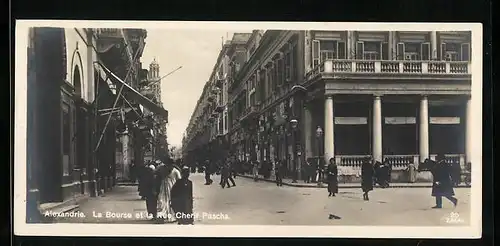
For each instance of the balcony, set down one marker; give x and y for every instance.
(391, 68)
(249, 113)
(109, 33)
(211, 97)
(219, 108)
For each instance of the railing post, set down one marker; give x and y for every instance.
(353, 66)
(469, 68)
(328, 66)
(401, 67)
(378, 67)
(425, 67)
(447, 65)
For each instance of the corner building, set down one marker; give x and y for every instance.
(404, 96)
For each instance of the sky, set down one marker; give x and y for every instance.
(196, 51)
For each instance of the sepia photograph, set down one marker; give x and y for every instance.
(255, 129)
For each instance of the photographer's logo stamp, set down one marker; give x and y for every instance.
(453, 218)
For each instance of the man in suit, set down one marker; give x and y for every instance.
(150, 191)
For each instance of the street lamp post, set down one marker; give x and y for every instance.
(294, 123)
(319, 135)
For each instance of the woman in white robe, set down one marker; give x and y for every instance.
(170, 174)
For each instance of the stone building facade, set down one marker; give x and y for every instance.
(348, 95)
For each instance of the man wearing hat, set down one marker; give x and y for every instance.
(182, 199)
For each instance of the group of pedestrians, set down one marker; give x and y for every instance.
(373, 173)
(226, 169)
(167, 190)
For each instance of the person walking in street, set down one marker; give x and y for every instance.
(333, 183)
(182, 198)
(150, 190)
(169, 174)
(207, 167)
(231, 175)
(366, 178)
(141, 172)
(306, 172)
(255, 170)
(442, 185)
(278, 172)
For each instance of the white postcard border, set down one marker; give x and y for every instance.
(127, 230)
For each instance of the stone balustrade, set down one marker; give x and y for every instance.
(401, 162)
(452, 158)
(391, 67)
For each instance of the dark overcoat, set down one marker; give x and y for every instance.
(442, 184)
(367, 177)
(332, 174)
(182, 198)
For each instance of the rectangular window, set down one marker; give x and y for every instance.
(400, 51)
(316, 53)
(66, 139)
(425, 51)
(294, 62)
(225, 121)
(341, 50)
(384, 49)
(465, 52)
(360, 49)
(450, 52)
(288, 64)
(252, 99)
(328, 50)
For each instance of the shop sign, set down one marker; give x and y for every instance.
(444, 120)
(351, 120)
(400, 120)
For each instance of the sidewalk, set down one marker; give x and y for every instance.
(120, 205)
(300, 183)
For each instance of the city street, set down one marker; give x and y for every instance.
(263, 203)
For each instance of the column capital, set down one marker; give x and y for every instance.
(328, 96)
(377, 96)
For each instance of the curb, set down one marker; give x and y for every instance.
(69, 205)
(346, 186)
(127, 184)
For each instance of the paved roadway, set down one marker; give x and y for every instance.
(263, 203)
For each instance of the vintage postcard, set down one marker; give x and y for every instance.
(248, 129)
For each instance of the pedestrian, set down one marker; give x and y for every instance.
(149, 190)
(455, 172)
(168, 175)
(367, 178)
(182, 199)
(231, 175)
(333, 183)
(387, 172)
(306, 172)
(442, 185)
(278, 172)
(208, 180)
(141, 172)
(255, 170)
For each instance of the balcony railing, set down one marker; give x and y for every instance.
(350, 165)
(401, 162)
(452, 158)
(249, 112)
(392, 67)
(109, 33)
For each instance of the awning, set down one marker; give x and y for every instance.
(139, 98)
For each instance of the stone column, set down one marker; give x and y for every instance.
(434, 45)
(308, 145)
(329, 132)
(468, 131)
(424, 129)
(377, 129)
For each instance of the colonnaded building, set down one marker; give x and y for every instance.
(303, 96)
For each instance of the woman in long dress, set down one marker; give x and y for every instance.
(170, 175)
(333, 184)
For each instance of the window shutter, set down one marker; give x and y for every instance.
(425, 51)
(465, 52)
(401, 51)
(315, 53)
(341, 50)
(384, 50)
(360, 50)
(443, 51)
